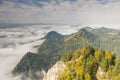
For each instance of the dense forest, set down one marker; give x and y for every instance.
(88, 64)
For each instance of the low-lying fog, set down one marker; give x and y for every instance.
(16, 42)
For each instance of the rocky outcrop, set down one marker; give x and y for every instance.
(100, 74)
(54, 72)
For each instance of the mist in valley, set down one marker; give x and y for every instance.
(16, 42)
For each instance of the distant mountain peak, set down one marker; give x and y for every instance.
(53, 35)
(88, 28)
(106, 29)
(28, 54)
(81, 38)
(103, 28)
(83, 32)
(52, 32)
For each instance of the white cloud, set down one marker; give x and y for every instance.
(86, 12)
(11, 55)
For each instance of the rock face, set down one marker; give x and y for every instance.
(54, 72)
(100, 74)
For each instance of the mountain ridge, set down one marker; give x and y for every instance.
(53, 35)
(52, 50)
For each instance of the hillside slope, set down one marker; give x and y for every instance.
(54, 49)
(56, 45)
(109, 39)
(87, 64)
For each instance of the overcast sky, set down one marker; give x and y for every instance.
(85, 12)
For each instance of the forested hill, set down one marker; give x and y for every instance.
(90, 64)
(109, 38)
(53, 35)
(53, 49)
(56, 45)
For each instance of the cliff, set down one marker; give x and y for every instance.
(54, 72)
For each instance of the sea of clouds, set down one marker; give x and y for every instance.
(16, 42)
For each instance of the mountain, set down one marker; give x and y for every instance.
(54, 47)
(53, 36)
(30, 66)
(109, 39)
(57, 45)
(103, 31)
(29, 62)
(88, 28)
(80, 39)
(85, 64)
(51, 48)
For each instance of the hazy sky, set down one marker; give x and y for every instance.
(85, 12)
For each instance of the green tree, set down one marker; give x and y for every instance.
(116, 69)
(105, 64)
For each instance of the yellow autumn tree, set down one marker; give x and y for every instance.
(97, 53)
(108, 55)
(79, 70)
(87, 76)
